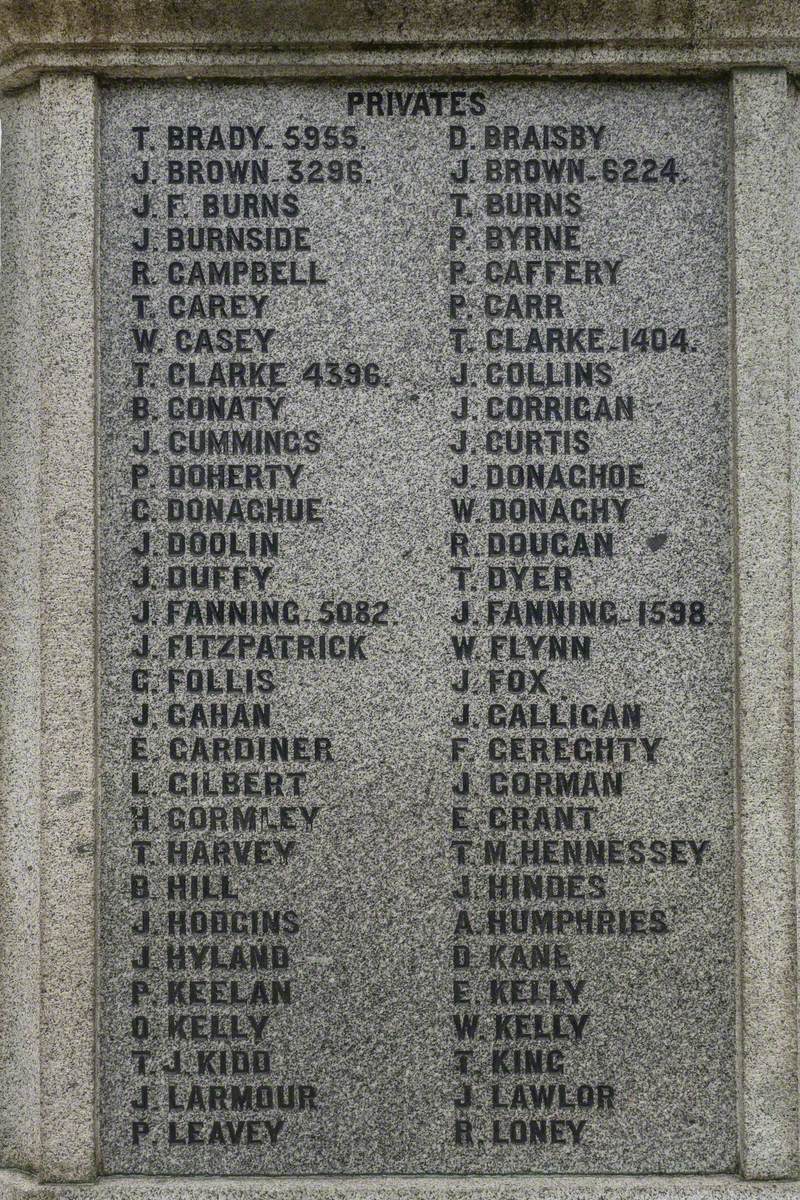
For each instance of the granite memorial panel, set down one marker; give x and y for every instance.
(415, 628)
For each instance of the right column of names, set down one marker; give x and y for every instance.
(573, 599)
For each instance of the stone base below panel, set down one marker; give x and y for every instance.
(510, 1187)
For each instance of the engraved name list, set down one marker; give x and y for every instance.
(415, 626)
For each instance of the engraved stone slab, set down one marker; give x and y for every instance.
(415, 601)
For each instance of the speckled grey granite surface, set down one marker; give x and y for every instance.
(20, 501)
(509, 1188)
(370, 1023)
(767, 847)
(238, 39)
(13, 1187)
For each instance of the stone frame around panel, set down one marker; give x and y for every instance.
(48, 782)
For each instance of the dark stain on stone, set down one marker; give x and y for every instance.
(68, 798)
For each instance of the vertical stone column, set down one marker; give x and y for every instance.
(767, 875)
(19, 631)
(48, 580)
(67, 238)
(794, 418)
